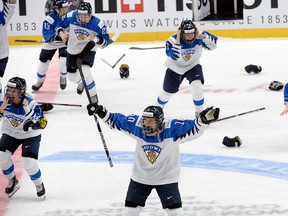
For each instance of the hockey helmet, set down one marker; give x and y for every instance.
(124, 71)
(61, 7)
(155, 112)
(187, 27)
(84, 13)
(17, 83)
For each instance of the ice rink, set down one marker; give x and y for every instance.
(215, 180)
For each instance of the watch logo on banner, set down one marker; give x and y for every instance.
(132, 6)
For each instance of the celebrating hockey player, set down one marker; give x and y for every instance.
(183, 51)
(157, 159)
(6, 12)
(50, 23)
(83, 27)
(22, 121)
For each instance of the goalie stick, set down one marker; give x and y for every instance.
(89, 46)
(240, 114)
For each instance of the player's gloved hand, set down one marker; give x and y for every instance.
(232, 142)
(276, 86)
(94, 108)
(41, 124)
(209, 115)
(253, 68)
(175, 51)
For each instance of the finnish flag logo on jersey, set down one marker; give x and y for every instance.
(152, 152)
(187, 55)
(81, 34)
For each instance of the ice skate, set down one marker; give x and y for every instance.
(80, 88)
(37, 85)
(41, 191)
(63, 82)
(12, 187)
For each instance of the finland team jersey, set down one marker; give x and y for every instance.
(156, 158)
(79, 35)
(49, 27)
(189, 54)
(6, 12)
(14, 118)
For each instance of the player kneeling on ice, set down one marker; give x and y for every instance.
(157, 158)
(22, 119)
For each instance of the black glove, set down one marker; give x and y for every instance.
(276, 86)
(209, 115)
(232, 142)
(253, 68)
(41, 124)
(94, 108)
(46, 107)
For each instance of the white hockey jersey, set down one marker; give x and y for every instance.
(156, 158)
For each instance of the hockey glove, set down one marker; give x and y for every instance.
(94, 108)
(276, 86)
(175, 52)
(46, 107)
(253, 68)
(232, 142)
(209, 115)
(41, 124)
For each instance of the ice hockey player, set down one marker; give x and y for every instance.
(83, 27)
(157, 158)
(285, 111)
(6, 12)
(183, 51)
(22, 122)
(52, 44)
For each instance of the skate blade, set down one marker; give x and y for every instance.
(16, 188)
(43, 197)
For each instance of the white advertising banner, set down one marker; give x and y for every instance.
(153, 15)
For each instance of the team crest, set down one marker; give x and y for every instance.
(15, 122)
(81, 34)
(152, 152)
(187, 55)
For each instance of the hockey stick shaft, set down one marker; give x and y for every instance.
(37, 41)
(61, 104)
(240, 114)
(113, 66)
(146, 48)
(79, 61)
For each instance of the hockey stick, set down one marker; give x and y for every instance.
(146, 48)
(37, 41)
(89, 46)
(113, 66)
(61, 104)
(240, 114)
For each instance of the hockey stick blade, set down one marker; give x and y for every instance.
(113, 66)
(146, 48)
(240, 114)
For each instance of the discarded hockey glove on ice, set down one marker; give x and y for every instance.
(276, 86)
(46, 107)
(94, 108)
(209, 115)
(232, 142)
(253, 68)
